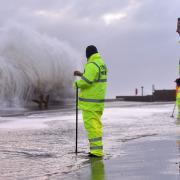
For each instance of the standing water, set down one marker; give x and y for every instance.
(41, 145)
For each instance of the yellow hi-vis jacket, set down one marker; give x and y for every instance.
(93, 84)
(178, 97)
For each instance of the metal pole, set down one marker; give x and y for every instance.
(153, 89)
(173, 110)
(76, 151)
(142, 90)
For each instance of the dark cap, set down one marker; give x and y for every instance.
(90, 50)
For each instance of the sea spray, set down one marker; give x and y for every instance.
(32, 64)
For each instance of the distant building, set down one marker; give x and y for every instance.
(158, 95)
(164, 95)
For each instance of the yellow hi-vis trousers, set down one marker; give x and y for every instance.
(93, 126)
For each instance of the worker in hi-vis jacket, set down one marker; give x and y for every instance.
(178, 96)
(92, 85)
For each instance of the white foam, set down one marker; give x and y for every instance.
(33, 63)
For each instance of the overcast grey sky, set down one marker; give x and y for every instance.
(137, 38)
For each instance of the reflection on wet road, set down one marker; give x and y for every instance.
(97, 169)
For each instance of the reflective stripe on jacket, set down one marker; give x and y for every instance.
(93, 84)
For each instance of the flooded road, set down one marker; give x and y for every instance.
(40, 145)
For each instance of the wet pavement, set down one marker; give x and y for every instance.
(141, 141)
(148, 159)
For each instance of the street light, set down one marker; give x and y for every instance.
(142, 90)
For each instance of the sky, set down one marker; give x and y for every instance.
(136, 38)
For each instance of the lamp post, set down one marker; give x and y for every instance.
(153, 89)
(142, 89)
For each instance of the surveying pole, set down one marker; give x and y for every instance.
(76, 149)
